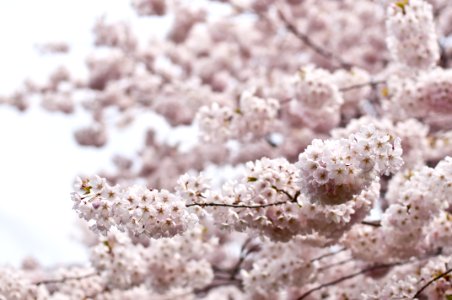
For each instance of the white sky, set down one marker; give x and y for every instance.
(38, 156)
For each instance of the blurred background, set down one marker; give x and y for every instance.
(39, 157)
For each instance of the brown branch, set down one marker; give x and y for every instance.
(366, 270)
(419, 292)
(238, 205)
(243, 255)
(342, 262)
(372, 83)
(437, 12)
(372, 223)
(307, 40)
(443, 59)
(374, 103)
(205, 290)
(292, 199)
(64, 279)
(328, 254)
(350, 276)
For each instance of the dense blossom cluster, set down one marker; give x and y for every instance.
(412, 38)
(334, 171)
(417, 200)
(274, 197)
(15, 285)
(427, 97)
(137, 209)
(319, 167)
(165, 265)
(252, 119)
(318, 99)
(279, 265)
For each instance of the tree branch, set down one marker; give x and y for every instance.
(372, 83)
(238, 205)
(369, 269)
(419, 292)
(64, 279)
(328, 254)
(372, 223)
(292, 199)
(342, 262)
(308, 42)
(350, 276)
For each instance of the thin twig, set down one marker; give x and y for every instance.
(238, 205)
(372, 223)
(419, 292)
(328, 254)
(366, 270)
(372, 83)
(342, 262)
(64, 279)
(350, 276)
(307, 40)
(292, 199)
(443, 59)
(374, 103)
(243, 255)
(205, 290)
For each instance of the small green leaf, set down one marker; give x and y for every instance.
(87, 189)
(402, 4)
(252, 179)
(449, 297)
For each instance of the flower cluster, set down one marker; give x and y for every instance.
(416, 199)
(412, 39)
(14, 285)
(121, 265)
(182, 261)
(141, 211)
(302, 190)
(412, 133)
(116, 35)
(252, 119)
(426, 96)
(318, 100)
(353, 97)
(265, 200)
(432, 277)
(326, 223)
(149, 7)
(333, 171)
(274, 197)
(167, 264)
(279, 265)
